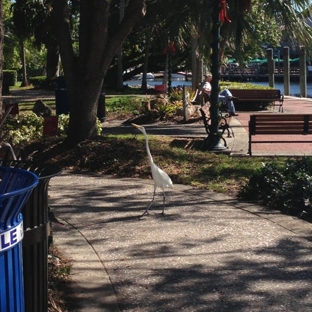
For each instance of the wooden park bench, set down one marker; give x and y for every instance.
(279, 124)
(262, 96)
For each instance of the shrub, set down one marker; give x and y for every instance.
(176, 95)
(24, 128)
(287, 188)
(41, 82)
(168, 111)
(123, 104)
(27, 127)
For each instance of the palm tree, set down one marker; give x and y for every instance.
(22, 15)
(265, 20)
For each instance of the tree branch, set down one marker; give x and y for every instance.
(61, 23)
(135, 10)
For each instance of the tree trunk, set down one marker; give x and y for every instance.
(145, 66)
(84, 73)
(23, 60)
(119, 56)
(194, 45)
(52, 61)
(83, 105)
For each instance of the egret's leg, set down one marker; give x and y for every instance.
(164, 199)
(150, 205)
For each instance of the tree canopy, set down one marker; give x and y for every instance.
(89, 33)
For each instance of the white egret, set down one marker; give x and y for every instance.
(160, 177)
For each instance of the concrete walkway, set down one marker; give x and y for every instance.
(209, 252)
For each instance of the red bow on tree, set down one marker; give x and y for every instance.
(171, 48)
(223, 13)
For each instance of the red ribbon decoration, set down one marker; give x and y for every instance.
(171, 47)
(223, 13)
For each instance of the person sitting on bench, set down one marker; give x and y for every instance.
(226, 96)
(206, 87)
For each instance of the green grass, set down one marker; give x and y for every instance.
(125, 156)
(126, 104)
(26, 107)
(123, 104)
(202, 169)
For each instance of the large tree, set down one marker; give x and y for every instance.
(99, 40)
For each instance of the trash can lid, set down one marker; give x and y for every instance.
(43, 171)
(15, 181)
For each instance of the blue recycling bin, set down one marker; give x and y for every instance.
(16, 186)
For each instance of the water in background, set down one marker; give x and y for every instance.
(294, 86)
(153, 82)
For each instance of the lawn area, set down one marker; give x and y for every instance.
(124, 155)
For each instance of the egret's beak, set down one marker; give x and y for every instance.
(136, 126)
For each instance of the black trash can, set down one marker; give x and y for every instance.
(36, 236)
(15, 188)
(61, 96)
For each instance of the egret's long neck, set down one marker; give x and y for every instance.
(148, 150)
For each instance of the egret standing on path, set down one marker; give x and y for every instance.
(160, 177)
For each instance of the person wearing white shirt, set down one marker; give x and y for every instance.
(206, 87)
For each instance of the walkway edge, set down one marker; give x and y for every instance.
(92, 287)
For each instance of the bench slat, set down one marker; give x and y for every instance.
(290, 131)
(265, 94)
(277, 116)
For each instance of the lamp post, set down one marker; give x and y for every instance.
(213, 141)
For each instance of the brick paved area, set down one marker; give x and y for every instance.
(291, 105)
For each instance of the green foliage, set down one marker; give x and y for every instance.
(241, 85)
(257, 27)
(41, 82)
(27, 127)
(36, 59)
(63, 121)
(24, 128)
(176, 95)
(123, 103)
(286, 187)
(168, 111)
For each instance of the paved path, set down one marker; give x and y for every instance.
(208, 253)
